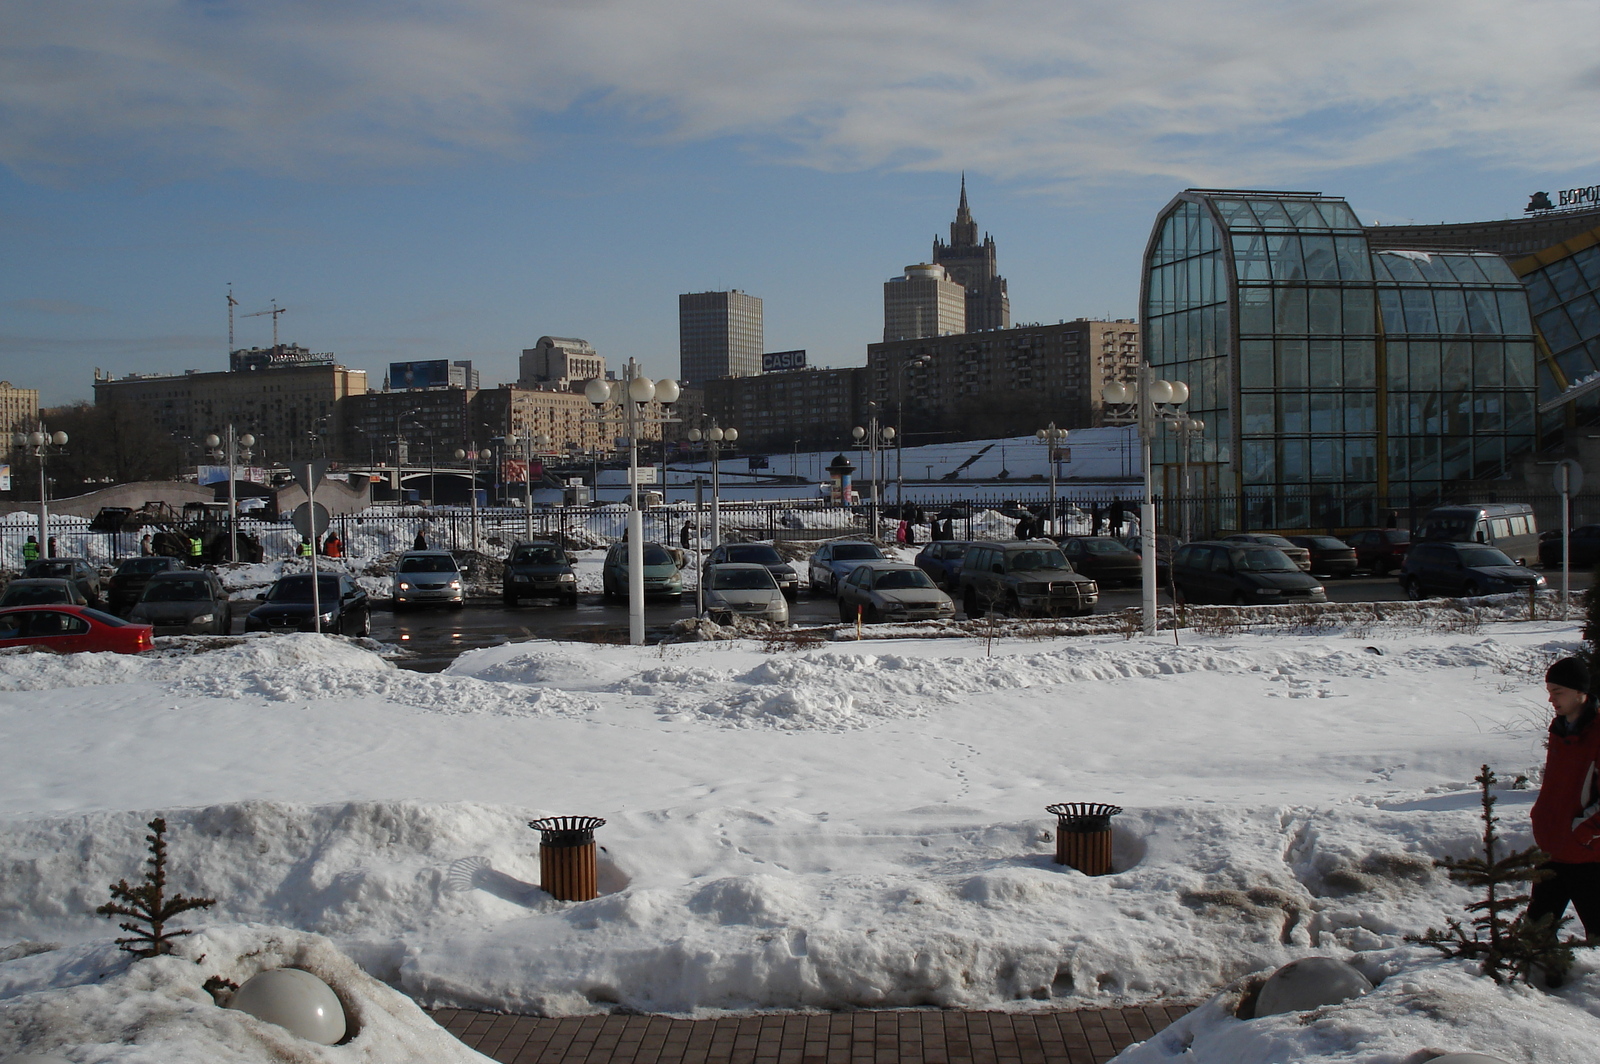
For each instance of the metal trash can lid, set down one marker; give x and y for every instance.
(1084, 816)
(566, 830)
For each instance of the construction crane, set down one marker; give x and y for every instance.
(275, 311)
(232, 302)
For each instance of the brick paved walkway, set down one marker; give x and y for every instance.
(909, 1036)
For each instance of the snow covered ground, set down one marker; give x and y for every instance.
(817, 825)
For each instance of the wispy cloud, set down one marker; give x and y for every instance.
(1202, 91)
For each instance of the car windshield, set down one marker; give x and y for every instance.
(1450, 528)
(901, 580)
(35, 595)
(1484, 557)
(760, 555)
(1268, 539)
(1104, 546)
(741, 580)
(1036, 559)
(538, 556)
(1325, 543)
(144, 566)
(1396, 535)
(655, 556)
(298, 589)
(103, 618)
(177, 591)
(1267, 560)
(50, 569)
(856, 552)
(437, 563)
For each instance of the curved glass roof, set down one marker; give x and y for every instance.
(1287, 214)
(1423, 267)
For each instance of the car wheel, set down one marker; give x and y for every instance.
(459, 604)
(1412, 589)
(569, 601)
(366, 624)
(1012, 606)
(1470, 591)
(1239, 599)
(871, 615)
(969, 603)
(846, 614)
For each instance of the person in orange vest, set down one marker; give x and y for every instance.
(333, 546)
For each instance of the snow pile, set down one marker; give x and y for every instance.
(93, 999)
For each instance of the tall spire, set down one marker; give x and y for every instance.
(963, 231)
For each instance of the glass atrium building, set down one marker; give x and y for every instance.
(1336, 381)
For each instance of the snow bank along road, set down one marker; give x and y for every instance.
(827, 826)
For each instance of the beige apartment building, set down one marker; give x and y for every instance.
(19, 409)
(923, 302)
(283, 407)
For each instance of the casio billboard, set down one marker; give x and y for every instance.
(778, 361)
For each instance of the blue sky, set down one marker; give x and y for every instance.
(456, 179)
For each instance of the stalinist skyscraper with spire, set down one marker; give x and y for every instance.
(973, 265)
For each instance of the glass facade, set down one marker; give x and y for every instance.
(1332, 378)
(1564, 289)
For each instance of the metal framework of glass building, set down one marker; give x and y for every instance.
(1336, 381)
(1563, 283)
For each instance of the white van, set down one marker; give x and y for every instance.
(1510, 526)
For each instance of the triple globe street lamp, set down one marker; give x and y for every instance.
(715, 437)
(531, 445)
(42, 445)
(1052, 438)
(876, 439)
(227, 447)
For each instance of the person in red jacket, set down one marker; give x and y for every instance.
(1566, 816)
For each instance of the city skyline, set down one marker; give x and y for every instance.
(470, 207)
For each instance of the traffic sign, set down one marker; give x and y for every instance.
(1569, 476)
(316, 470)
(311, 520)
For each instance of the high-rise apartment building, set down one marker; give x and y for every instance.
(559, 362)
(971, 264)
(19, 409)
(720, 334)
(923, 302)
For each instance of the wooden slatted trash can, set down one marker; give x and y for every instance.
(568, 870)
(1083, 835)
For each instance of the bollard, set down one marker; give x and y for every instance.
(1083, 835)
(567, 867)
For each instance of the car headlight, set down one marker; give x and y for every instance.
(327, 618)
(1319, 590)
(404, 586)
(455, 585)
(894, 606)
(567, 578)
(1538, 581)
(204, 618)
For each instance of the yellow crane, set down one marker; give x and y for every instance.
(275, 311)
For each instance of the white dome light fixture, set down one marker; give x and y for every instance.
(296, 1000)
(1310, 983)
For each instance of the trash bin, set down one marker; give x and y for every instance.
(1083, 835)
(567, 866)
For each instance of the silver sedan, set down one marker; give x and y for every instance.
(892, 591)
(744, 589)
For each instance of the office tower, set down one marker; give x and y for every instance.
(924, 302)
(972, 265)
(719, 335)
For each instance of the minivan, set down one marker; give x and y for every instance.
(1509, 526)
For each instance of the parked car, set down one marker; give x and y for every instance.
(941, 560)
(188, 602)
(1585, 550)
(1241, 573)
(539, 568)
(1166, 546)
(743, 589)
(71, 630)
(1463, 570)
(1024, 578)
(662, 575)
(1330, 555)
(286, 606)
(77, 569)
(428, 577)
(127, 583)
(758, 554)
(43, 591)
(1380, 550)
(1298, 554)
(833, 562)
(892, 591)
(1105, 559)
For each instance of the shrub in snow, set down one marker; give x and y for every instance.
(296, 1000)
(149, 904)
(1310, 983)
(1508, 944)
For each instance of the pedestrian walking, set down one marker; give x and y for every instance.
(197, 550)
(50, 547)
(333, 546)
(421, 542)
(1114, 517)
(304, 550)
(1096, 516)
(683, 536)
(147, 546)
(900, 533)
(1566, 815)
(30, 550)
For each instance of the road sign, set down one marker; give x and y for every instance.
(311, 520)
(1568, 476)
(316, 469)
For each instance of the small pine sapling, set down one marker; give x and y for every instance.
(1509, 945)
(148, 903)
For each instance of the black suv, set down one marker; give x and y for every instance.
(539, 568)
(1245, 574)
(1462, 569)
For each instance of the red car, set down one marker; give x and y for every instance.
(71, 629)
(1382, 550)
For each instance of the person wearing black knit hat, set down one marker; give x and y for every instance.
(1566, 816)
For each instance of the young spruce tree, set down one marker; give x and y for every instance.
(148, 903)
(1508, 944)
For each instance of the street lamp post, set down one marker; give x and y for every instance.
(531, 445)
(715, 437)
(1051, 437)
(1186, 428)
(39, 444)
(1145, 403)
(472, 455)
(631, 394)
(232, 454)
(875, 438)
